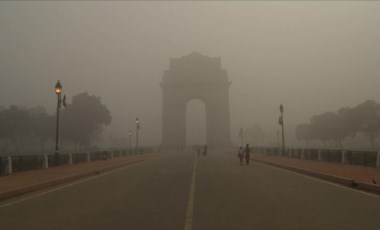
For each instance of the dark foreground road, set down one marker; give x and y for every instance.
(157, 195)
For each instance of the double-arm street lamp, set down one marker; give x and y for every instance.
(58, 91)
(281, 122)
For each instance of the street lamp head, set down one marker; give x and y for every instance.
(281, 108)
(130, 133)
(137, 120)
(58, 88)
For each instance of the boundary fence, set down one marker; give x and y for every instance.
(16, 163)
(351, 157)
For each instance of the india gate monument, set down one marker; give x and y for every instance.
(195, 76)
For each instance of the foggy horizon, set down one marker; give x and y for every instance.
(312, 57)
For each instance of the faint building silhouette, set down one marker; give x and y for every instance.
(195, 76)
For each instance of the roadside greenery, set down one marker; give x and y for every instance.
(81, 124)
(343, 124)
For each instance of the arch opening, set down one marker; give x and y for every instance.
(196, 127)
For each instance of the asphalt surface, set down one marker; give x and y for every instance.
(155, 195)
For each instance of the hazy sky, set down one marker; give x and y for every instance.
(311, 56)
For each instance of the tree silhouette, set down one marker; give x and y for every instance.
(82, 120)
(14, 126)
(366, 119)
(329, 126)
(41, 125)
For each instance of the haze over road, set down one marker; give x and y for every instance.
(311, 56)
(155, 195)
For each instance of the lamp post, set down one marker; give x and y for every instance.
(130, 139)
(58, 91)
(137, 135)
(281, 121)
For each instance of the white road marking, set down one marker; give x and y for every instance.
(320, 180)
(190, 204)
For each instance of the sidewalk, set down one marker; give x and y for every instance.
(20, 183)
(350, 175)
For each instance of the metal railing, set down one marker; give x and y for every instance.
(351, 157)
(16, 163)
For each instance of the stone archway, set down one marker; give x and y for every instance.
(201, 77)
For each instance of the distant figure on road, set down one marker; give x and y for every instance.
(247, 152)
(241, 155)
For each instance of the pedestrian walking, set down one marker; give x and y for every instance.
(241, 155)
(247, 152)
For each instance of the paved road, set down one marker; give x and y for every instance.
(155, 195)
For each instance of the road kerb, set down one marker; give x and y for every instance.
(374, 188)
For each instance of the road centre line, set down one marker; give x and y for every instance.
(190, 205)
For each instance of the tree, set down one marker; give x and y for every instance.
(347, 122)
(41, 125)
(365, 118)
(325, 127)
(322, 126)
(14, 126)
(82, 120)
